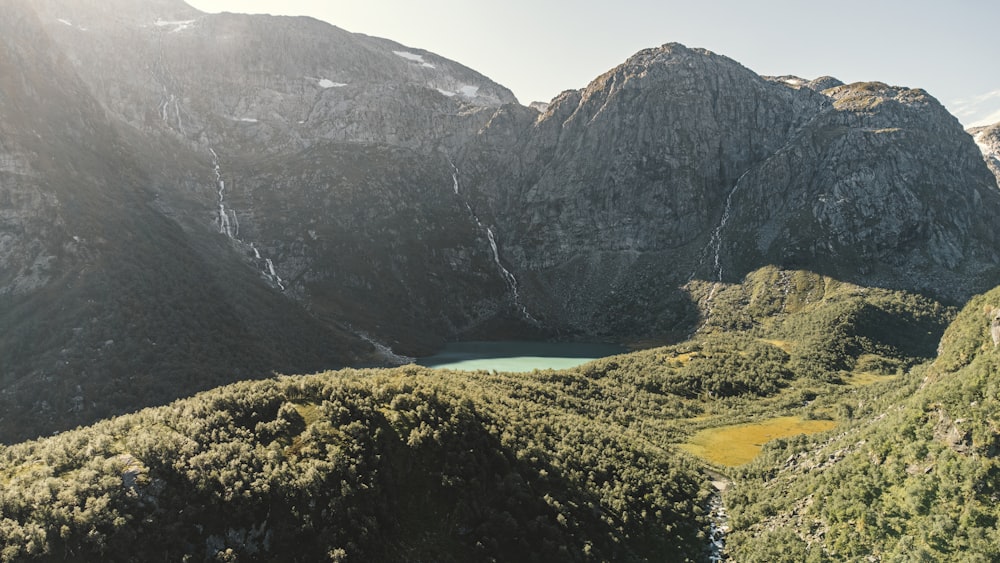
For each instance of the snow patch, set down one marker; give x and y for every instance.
(410, 56)
(984, 147)
(465, 91)
(414, 58)
(177, 25)
(990, 154)
(70, 24)
(326, 83)
(248, 120)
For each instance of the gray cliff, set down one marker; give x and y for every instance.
(190, 199)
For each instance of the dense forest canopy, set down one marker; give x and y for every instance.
(581, 464)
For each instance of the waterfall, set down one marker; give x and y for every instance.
(235, 222)
(715, 247)
(225, 227)
(229, 225)
(511, 280)
(506, 274)
(716, 240)
(273, 274)
(177, 112)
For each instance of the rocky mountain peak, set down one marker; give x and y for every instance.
(823, 83)
(867, 96)
(673, 67)
(262, 83)
(796, 82)
(229, 195)
(685, 165)
(96, 17)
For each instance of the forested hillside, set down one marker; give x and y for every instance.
(912, 476)
(588, 464)
(397, 465)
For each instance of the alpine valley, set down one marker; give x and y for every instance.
(193, 204)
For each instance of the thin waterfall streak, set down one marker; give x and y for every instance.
(506, 274)
(229, 225)
(716, 239)
(236, 223)
(177, 112)
(454, 176)
(496, 258)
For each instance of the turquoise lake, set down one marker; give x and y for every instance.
(517, 356)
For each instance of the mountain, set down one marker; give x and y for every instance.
(109, 303)
(193, 199)
(683, 165)
(333, 148)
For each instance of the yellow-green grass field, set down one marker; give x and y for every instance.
(734, 445)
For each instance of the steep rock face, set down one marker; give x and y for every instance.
(154, 238)
(266, 84)
(107, 304)
(376, 237)
(616, 189)
(882, 188)
(683, 165)
(352, 126)
(223, 196)
(650, 145)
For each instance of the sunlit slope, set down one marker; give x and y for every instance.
(912, 476)
(415, 463)
(408, 464)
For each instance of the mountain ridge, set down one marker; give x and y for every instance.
(801, 246)
(323, 195)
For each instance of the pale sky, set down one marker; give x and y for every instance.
(538, 48)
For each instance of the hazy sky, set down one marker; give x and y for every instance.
(538, 48)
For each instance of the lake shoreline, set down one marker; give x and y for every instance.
(518, 356)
